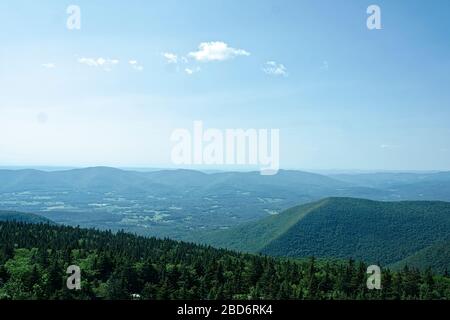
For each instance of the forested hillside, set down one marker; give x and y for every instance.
(34, 258)
(436, 257)
(22, 217)
(372, 231)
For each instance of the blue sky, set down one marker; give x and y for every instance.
(343, 96)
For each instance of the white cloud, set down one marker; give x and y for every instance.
(170, 57)
(191, 71)
(49, 65)
(216, 51)
(275, 69)
(105, 64)
(88, 61)
(135, 65)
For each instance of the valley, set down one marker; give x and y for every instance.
(292, 214)
(176, 203)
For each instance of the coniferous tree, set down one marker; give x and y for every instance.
(34, 259)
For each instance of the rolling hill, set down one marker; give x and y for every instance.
(372, 231)
(164, 203)
(178, 203)
(22, 217)
(404, 185)
(436, 257)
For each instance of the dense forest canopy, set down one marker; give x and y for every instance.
(34, 259)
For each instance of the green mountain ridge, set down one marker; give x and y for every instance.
(23, 217)
(372, 231)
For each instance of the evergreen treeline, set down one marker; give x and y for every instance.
(34, 259)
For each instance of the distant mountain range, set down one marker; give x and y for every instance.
(391, 233)
(178, 203)
(405, 186)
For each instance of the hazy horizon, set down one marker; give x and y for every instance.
(207, 169)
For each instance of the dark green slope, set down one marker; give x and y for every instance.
(121, 266)
(22, 217)
(436, 257)
(383, 232)
(253, 237)
(376, 232)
